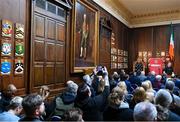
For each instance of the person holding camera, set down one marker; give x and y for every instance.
(93, 107)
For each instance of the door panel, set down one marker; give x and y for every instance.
(48, 47)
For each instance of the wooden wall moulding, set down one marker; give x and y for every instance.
(85, 31)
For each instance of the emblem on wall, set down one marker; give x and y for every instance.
(6, 28)
(5, 66)
(6, 49)
(19, 66)
(19, 49)
(19, 31)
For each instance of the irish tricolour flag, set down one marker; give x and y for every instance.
(171, 46)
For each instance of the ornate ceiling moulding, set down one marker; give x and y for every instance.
(156, 14)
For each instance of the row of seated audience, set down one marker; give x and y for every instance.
(120, 97)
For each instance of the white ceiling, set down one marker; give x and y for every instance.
(139, 7)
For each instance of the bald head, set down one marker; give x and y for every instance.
(11, 88)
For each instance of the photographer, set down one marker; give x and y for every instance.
(93, 107)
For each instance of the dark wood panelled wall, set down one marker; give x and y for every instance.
(48, 43)
(154, 39)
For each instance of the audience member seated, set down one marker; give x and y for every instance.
(157, 83)
(128, 84)
(65, 100)
(6, 97)
(151, 76)
(134, 79)
(149, 93)
(177, 82)
(122, 75)
(117, 109)
(175, 105)
(114, 81)
(145, 111)
(14, 109)
(74, 114)
(139, 95)
(33, 107)
(92, 107)
(163, 100)
(142, 76)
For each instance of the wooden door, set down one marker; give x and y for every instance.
(47, 45)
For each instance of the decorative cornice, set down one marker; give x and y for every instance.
(142, 20)
(157, 14)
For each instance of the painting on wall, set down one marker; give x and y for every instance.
(85, 36)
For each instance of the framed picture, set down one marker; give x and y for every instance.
(19, 66)
(85, 36)
(163, 54)
(144, 54)
(120, 65)
(140, 54)
(158, 54)
(149, 54)
(6, 28)
(5, 66)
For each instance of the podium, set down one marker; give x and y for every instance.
(156, 65)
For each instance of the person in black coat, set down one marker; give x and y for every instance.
(93, 107)
(6, 96)
(117, 109)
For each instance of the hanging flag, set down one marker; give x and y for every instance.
(171, 46)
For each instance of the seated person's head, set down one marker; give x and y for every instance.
(116, 97)
(87, 80)
(145, 85)
(142, 73)
(11, 90)
(16, 105)
(153, 73)
(163, 98)
(44, 92)
(158, 77)
(139, 94)
(145, 111)
(122, 85)
(116, 76)
(33, 105)
(71, 87)
(83, 91)
(170, 85)
(74, 114)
